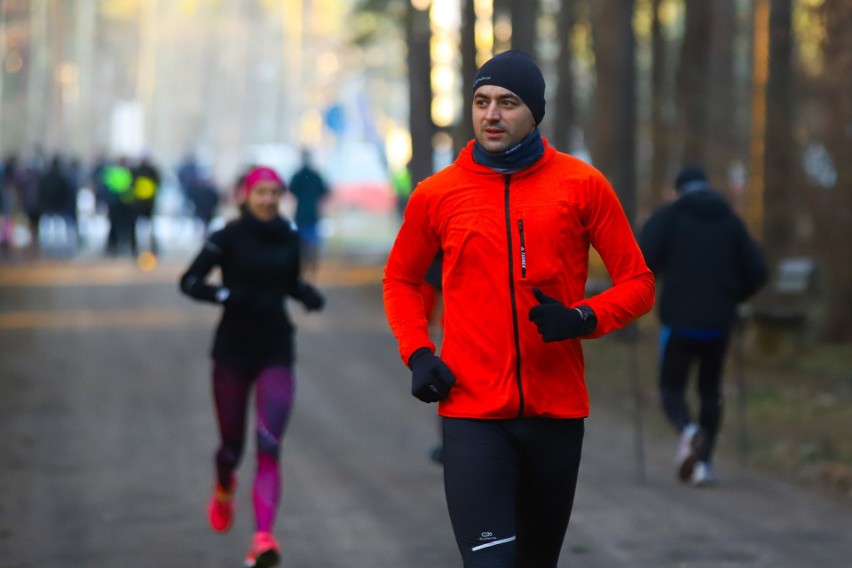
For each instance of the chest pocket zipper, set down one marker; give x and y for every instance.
(523, 248)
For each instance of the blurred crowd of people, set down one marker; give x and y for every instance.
(40, 200)
(40, 190)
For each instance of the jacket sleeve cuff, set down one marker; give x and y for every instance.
(408, 354)
(418, 353)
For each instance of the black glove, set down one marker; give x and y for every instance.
(556, 322)
(310, 297)
(431, 379)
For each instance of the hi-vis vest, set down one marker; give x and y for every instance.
(144, 189)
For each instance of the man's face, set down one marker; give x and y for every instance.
(500, 118)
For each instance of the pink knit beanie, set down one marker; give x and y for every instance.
(258, 175)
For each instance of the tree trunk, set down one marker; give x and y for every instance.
(3, 148)
(835, 228)
(86, 22)
(39, 86)
(615, 142)
(502, 14)
(723, 143)
(565, 115)
(625, 178)
(601, 136)
(462, 130)
(662, 116)
(524, 16)
(781, 228)
(693, 82)
(422, 128)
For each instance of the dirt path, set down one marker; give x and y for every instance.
(106, 434)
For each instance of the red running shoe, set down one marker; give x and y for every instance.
(264, 552)
(220, 509)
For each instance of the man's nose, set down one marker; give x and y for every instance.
(493, 111)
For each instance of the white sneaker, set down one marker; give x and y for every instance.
(702, 475)
(687, 451)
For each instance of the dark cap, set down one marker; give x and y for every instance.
(690, 176)
(516, 71)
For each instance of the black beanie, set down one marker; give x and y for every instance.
(516, 71)
(689, 175)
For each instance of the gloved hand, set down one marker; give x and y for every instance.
(556, 322)
(310, 297)
(431, 379)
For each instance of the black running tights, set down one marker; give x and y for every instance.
(679, 355)
(510, 488)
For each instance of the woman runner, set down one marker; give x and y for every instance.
(258, 255)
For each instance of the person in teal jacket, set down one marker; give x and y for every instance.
(310, 189)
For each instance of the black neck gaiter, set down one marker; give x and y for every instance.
(515, 159)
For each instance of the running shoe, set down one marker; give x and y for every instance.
(687, 451)
(702, 475)
(264, 552)
(220, 509)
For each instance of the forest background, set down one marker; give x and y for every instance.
(759, 92)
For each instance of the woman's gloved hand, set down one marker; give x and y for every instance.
(310, 297)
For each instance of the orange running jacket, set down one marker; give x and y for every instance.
(501, 236)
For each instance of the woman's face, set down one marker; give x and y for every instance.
(263, 200)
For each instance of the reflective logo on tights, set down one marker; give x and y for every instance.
(490, 540)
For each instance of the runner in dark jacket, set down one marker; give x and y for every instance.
(258, 255)
(708, 264)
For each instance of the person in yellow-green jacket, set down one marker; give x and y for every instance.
(117, 179)
(146, 184)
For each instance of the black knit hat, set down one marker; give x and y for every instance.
(689, 175)
(516, 71)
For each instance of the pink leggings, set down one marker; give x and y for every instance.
(273, 399)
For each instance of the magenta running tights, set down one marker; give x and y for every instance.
(232, 385)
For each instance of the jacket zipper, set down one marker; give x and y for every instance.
(523, 249)
(512, 297)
